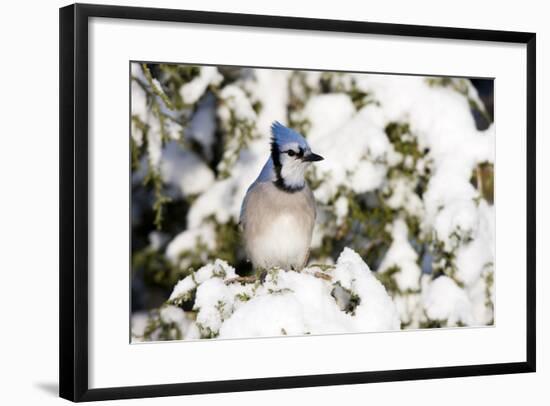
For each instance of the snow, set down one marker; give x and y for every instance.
(481, 312)
(173, 314)
(402, 195)
(327, 113)
(358, 159)
(444, 300)
(218, 201)
(157, 239)
(346, 146)
(223, 199)
(288, 302)
(154, 144)
(236, 104)
(139, 107)
(404, 257)
(173, 129)
(193, 90)
(455, 147)
(410, 308)
(158, 86)
(441, 121)
(341, 207)
(184, 169)
(268, 315)
(366, 177)
(138, 325)
(203, 124)
(188, 240)
(473, 258)
(270, 88)
(139, 110)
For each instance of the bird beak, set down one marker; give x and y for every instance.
(312, 158)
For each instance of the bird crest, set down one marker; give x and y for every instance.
(282, 135)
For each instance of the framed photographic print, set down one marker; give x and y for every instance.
(255, 202)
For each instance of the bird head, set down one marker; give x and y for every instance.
(291, 156)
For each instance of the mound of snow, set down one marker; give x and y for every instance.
(343, 298)
(445, 300)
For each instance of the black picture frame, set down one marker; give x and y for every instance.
(73, 277)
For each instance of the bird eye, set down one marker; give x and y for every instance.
(291, 152)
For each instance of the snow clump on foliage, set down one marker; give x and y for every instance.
(317, 300)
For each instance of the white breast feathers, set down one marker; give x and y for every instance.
(277, 226)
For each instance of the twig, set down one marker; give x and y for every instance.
(479, 176)
(324, 267)
(242, 279)
(322, 275)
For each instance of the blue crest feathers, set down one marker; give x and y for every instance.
(283, 135)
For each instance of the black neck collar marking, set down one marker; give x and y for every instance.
(279, 181)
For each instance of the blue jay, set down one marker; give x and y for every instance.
(278, 210)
